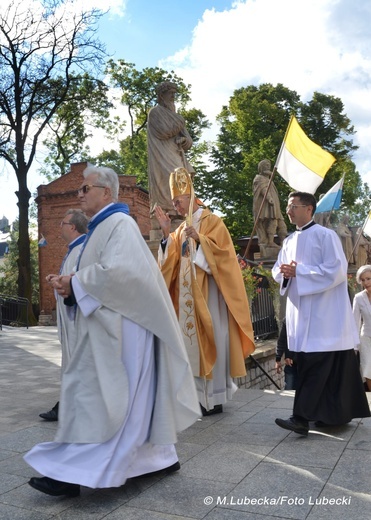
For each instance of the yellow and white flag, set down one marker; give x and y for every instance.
(301, 162)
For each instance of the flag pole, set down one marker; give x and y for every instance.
(267, 190)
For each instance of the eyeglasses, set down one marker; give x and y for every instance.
(87, 187)
(294, 206)
(66, 223)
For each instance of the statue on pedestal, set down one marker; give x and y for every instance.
(269, 219)
(168, 140)
(346, 238)
(362, 248)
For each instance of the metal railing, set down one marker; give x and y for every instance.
(13, 311)
(262, 311)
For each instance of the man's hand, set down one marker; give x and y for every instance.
(50, 278)
(289, 270)
(164, 221)
(62, 284)
(190, 232)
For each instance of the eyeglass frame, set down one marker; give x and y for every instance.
(66, 223)
(87, 187)
(294, 206)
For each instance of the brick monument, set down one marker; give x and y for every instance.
(54, 199)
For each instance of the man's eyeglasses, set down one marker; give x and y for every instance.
(87, 187)
(66, 223)
(294, 206)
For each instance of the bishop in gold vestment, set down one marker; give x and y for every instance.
(201, 270)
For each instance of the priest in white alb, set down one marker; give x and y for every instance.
(128, 388)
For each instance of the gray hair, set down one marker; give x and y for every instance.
(105, 177)
(361, 271)
(79, 220)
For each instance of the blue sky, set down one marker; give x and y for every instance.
(218, 46)
(153, 30)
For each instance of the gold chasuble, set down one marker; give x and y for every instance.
(189, 289)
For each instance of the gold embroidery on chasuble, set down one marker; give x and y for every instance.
(187, 319)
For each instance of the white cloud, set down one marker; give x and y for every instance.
(305, 47)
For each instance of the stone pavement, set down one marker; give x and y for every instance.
(235, 466)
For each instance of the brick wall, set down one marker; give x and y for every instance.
(54, 199)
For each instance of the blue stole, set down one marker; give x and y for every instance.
(79, 240)
(117, 207)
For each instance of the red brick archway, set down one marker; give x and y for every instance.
(54, 199)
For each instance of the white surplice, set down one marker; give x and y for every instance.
(318, 310)
(362, 315)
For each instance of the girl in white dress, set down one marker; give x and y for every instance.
(362, 315)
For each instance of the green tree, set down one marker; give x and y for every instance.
(85, 109)
(252, 128)
(136, 90)
(324, 121)
(9, 269)
(41, 50)
(136, 93)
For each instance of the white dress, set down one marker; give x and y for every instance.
(362, 315)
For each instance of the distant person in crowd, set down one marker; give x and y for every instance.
(128, 388)
(312, 269)
(73, 231)
(201, 270)
(362, 315)
(291, 369)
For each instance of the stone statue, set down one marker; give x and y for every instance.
(324, 218)
(270, 220)
(362, 248)
(168, 140)
(345, 235)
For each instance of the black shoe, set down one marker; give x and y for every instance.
(294, 425)
(162, 472)
(52, 415)
(54, 487)
(218, 408)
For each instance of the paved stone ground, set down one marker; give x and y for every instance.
(235, 466)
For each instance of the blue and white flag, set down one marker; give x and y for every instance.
(42, 242)
(331, 200)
